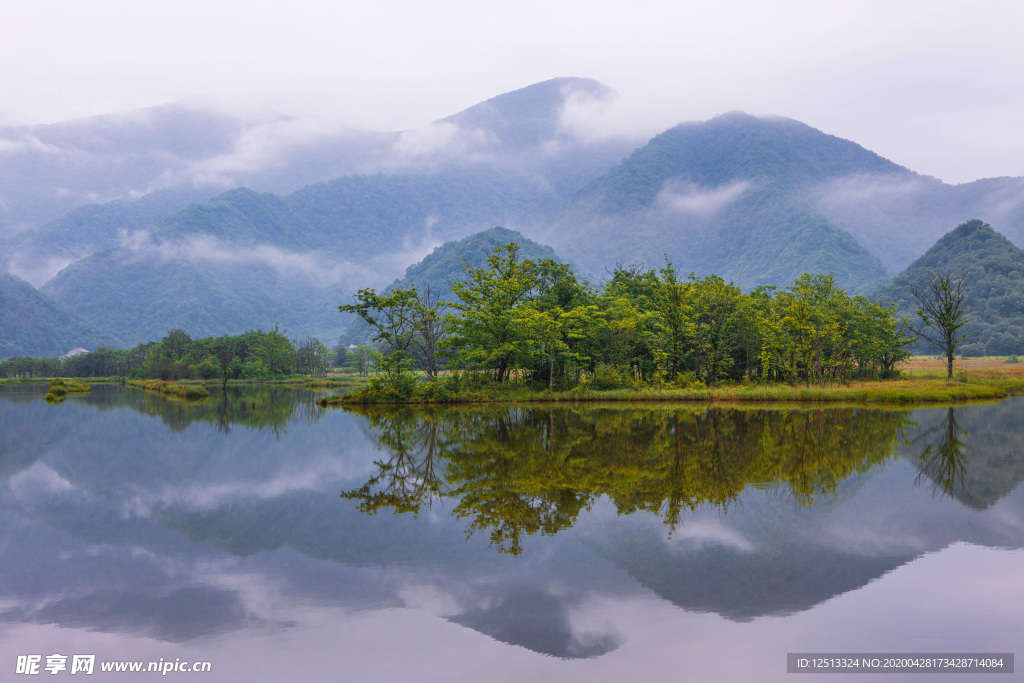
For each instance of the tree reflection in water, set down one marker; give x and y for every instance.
(516, 471)
(943, 460)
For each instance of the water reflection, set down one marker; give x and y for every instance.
(131, 516)
(269, 407)
(514, 472)
(944, 459)
(974, 455)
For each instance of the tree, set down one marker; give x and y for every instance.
(225, 349)
(340, 358)
(360, 359)
(312, 356)
(390, 316)
(675, 316)
(716, 318)
(486, 335)
(941, 301)
(430, 328)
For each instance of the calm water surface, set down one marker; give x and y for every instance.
(280, 541)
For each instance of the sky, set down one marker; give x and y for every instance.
(934, 86)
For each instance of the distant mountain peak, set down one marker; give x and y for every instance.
(528, 116)
(973, 237)
(994, 270)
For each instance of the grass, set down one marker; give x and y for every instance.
(923, 381)
(180, 390)
(61, 387)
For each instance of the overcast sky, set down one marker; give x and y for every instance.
(935, 86)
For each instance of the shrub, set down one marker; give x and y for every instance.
(607, 377)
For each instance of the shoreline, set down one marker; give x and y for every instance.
(909, 391)
(912, 390)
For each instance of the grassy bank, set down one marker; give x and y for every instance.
(921, 384)
(187, 392)
(61, 387)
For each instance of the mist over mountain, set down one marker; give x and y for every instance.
(37, 255)
(994, 305)
(724, 196)
(758, 201)
(247, 259)
(896, 216)
(48, 170)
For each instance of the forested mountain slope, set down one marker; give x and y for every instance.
(37, 255)
(724, 196)
(994, 303)
(245, 260)
(32, 324)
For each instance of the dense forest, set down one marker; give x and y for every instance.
(532, 322)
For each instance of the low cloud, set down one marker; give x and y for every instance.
(440, 142)
(864, 189)
(594, 116)
(311, 265)
(259, 147)
(20, 141)
(316, 267)
(35, 269)
(694, 200)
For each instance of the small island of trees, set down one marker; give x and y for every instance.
(534, 325)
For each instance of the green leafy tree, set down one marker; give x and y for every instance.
(488, 333)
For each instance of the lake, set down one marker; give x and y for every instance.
(278, 540)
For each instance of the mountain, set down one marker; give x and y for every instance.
(724, 196)
(445, 265)
(245, 259)
(37, 255)
(897, 216)
(526, 129)
(528, 117)
(32, 324)
(758, 201)
(994, 303)
(48, 170)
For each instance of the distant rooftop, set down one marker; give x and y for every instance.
(74, 352)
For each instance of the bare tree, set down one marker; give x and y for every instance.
(225, 349)
(941, 301)
(312, 356)
(431, 327)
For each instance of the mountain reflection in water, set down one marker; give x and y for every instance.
(557, 529)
